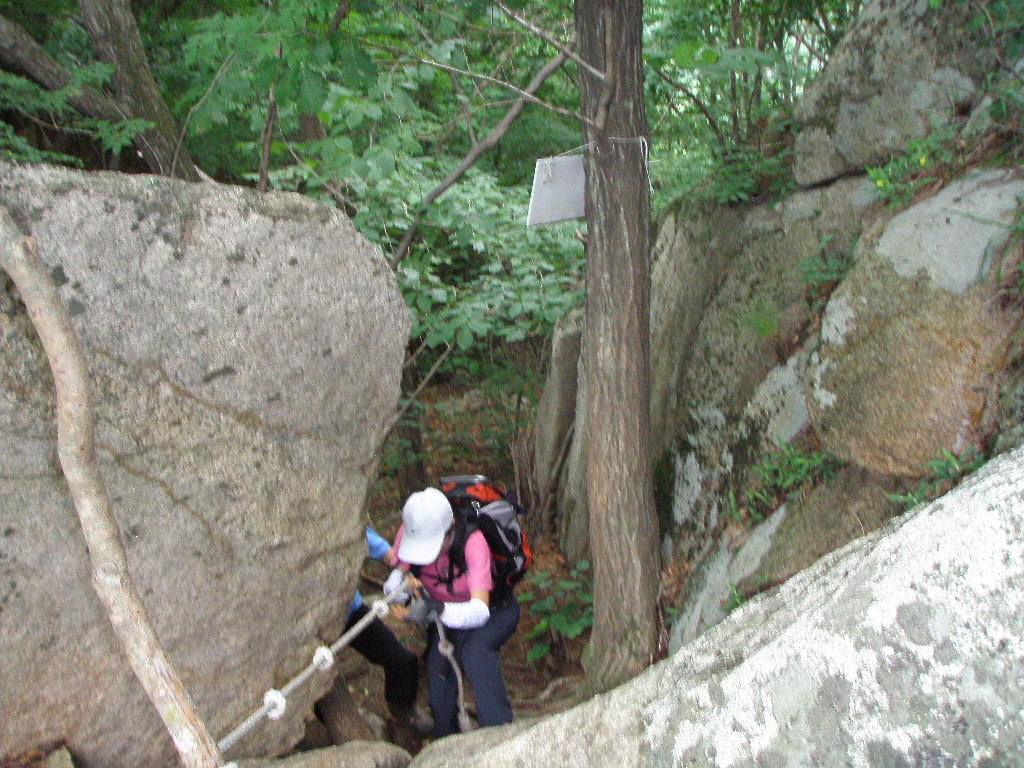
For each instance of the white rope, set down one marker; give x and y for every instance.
(444, 645)
(275, 702)
(323, 658)
(645, 152)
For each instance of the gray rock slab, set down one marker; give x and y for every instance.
(953, 235)
(245, 352)
(903, 648)
(351, 754)
(902, 68)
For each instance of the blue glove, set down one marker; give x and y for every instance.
(423, 611)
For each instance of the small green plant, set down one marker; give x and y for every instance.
(944, 473)
(778, 476)
(736, 599)
(21, 96)
(822, 271)
(762, 317)
(564, 609)
(898, 181)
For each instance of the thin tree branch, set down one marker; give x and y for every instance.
(410, 359)
(332, 185)
(551, 39)
(76, 449)
(699, 103)
(449, 128)
(267, 140)
(412, 398)
(798, 35)
(195, 107)
(463, 100)
(474, 154)
(524, 94)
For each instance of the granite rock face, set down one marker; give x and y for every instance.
(903, 68)
(245, 352)
(913, 342)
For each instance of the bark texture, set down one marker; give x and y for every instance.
(116, 36)
(76, 448)
(623, 526)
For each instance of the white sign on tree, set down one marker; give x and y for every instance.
(558, 184)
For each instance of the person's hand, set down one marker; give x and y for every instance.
(422, 611)
(393, 591)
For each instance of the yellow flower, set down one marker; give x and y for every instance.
(880, 182)
(924, 159)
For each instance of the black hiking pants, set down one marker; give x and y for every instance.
(379, 646)
(477, 653)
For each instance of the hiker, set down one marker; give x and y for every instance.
(379, 646)
(454, 572)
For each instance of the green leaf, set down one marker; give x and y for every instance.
(401, 104)
(685, 55)
(538, 652)
(543, 606)
(385, 162)
(358, 68)
(578, 627)
(312, 92)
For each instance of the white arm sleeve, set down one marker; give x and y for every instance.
(468, 615)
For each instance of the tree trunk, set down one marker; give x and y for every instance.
(115, 34)
(19, 50)
(623, 525)
(76, 448)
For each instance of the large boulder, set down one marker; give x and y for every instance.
(913, 342)
(903, 648)
(907, 361)
(903, 68)
(556, 409)
(738, 394)
(245, 353)
(351, 754)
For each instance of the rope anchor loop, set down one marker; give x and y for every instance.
(323, 658)
(276, 704)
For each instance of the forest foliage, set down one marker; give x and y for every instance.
(369, 105)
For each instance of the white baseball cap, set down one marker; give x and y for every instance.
(427, 516)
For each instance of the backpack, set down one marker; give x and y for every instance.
(486, 506)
